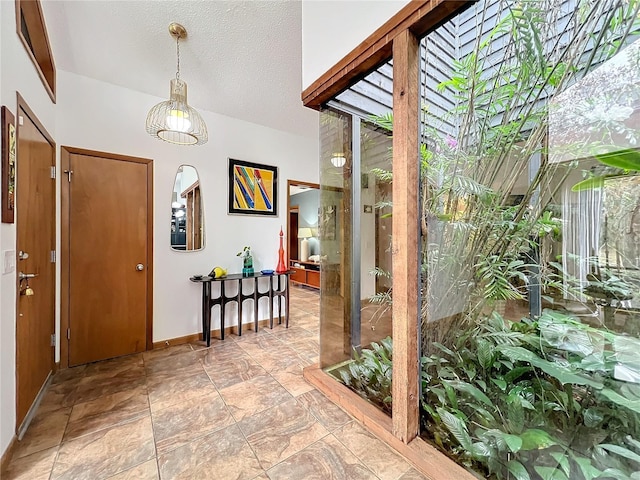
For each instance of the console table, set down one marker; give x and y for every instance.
(280, 291)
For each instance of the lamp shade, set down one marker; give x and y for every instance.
(174, 121)
(304, 232)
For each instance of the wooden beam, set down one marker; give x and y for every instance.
(419, 16)
(406, 67)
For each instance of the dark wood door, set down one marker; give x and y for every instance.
(35, 222)
(108, 257)
(293, 235)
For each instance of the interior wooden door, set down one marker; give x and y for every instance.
(293, 234)
(35, 222)
(109, 256)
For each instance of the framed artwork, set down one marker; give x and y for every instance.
(8, 165)
(253, 189)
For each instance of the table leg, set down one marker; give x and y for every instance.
(270, 302)
(205, 305)
(207, 332)
(222, 302)
(239, 308)
(286, 301)
(255, 305)
(279, 302)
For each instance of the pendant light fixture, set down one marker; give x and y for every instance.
(173, 120)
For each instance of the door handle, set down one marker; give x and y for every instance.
(23, 276)
(139, 267)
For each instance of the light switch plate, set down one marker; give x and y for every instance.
(9, 262)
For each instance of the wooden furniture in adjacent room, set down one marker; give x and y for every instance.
(305, 273)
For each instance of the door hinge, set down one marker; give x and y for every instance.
(53, 171)
(69, 173)
(53, 256)
(53, 339)
(68, 334)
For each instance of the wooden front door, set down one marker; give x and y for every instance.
(35, 225)
(107, 221)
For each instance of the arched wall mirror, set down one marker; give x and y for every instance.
(187, 219)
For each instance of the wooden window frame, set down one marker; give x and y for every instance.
(39, 49)
(399, 38)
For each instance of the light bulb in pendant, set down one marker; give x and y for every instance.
(178, 121)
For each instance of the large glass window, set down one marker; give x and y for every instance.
(355, 232)
(530, 211)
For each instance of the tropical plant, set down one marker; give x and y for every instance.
(369, 374)
(535, 400)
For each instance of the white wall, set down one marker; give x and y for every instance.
(331, 29)
(103, 117)
(108, 118)
(17, 73)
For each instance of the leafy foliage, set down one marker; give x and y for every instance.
(370, 373)
(528, 400)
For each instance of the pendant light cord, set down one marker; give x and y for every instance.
(178, 55)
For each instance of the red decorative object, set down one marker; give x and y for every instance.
(281, 266)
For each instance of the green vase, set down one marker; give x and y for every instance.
(247, 266)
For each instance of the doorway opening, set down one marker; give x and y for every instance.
(303, 245)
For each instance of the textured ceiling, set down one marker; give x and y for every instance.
(241, 58)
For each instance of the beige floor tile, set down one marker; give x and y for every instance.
(59, 395)
(327, 413)
(247, 398)
(73, 373)
(223, 353)
(183, 363)
(105, 453)
(45, 431)
(105, 383)
(170, 351)
(113, 367)
(145, 471)
(326, 459)
(281, 431)
(374, 453)
(165, 390)
(230, 372)
(36, 466)
(292, 380)
(222, 455)
(276, 358)
(186, 421)
(413, 474)
(107, 411)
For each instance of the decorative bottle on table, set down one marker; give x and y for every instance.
(281, 268)
(247, 261)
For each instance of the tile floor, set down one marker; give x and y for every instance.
(237, 410)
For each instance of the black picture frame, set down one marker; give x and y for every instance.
(9, 146)
(253, 189)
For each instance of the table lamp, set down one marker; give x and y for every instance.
(304, 233)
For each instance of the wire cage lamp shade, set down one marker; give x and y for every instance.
(173, 120)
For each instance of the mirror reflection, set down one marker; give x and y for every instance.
(187, 220)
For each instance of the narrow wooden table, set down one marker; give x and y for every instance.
(279, 292)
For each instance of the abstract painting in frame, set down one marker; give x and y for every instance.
(253, 189)
(8, 164)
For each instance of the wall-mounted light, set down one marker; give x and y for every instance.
(338, 160)
(173, 120)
